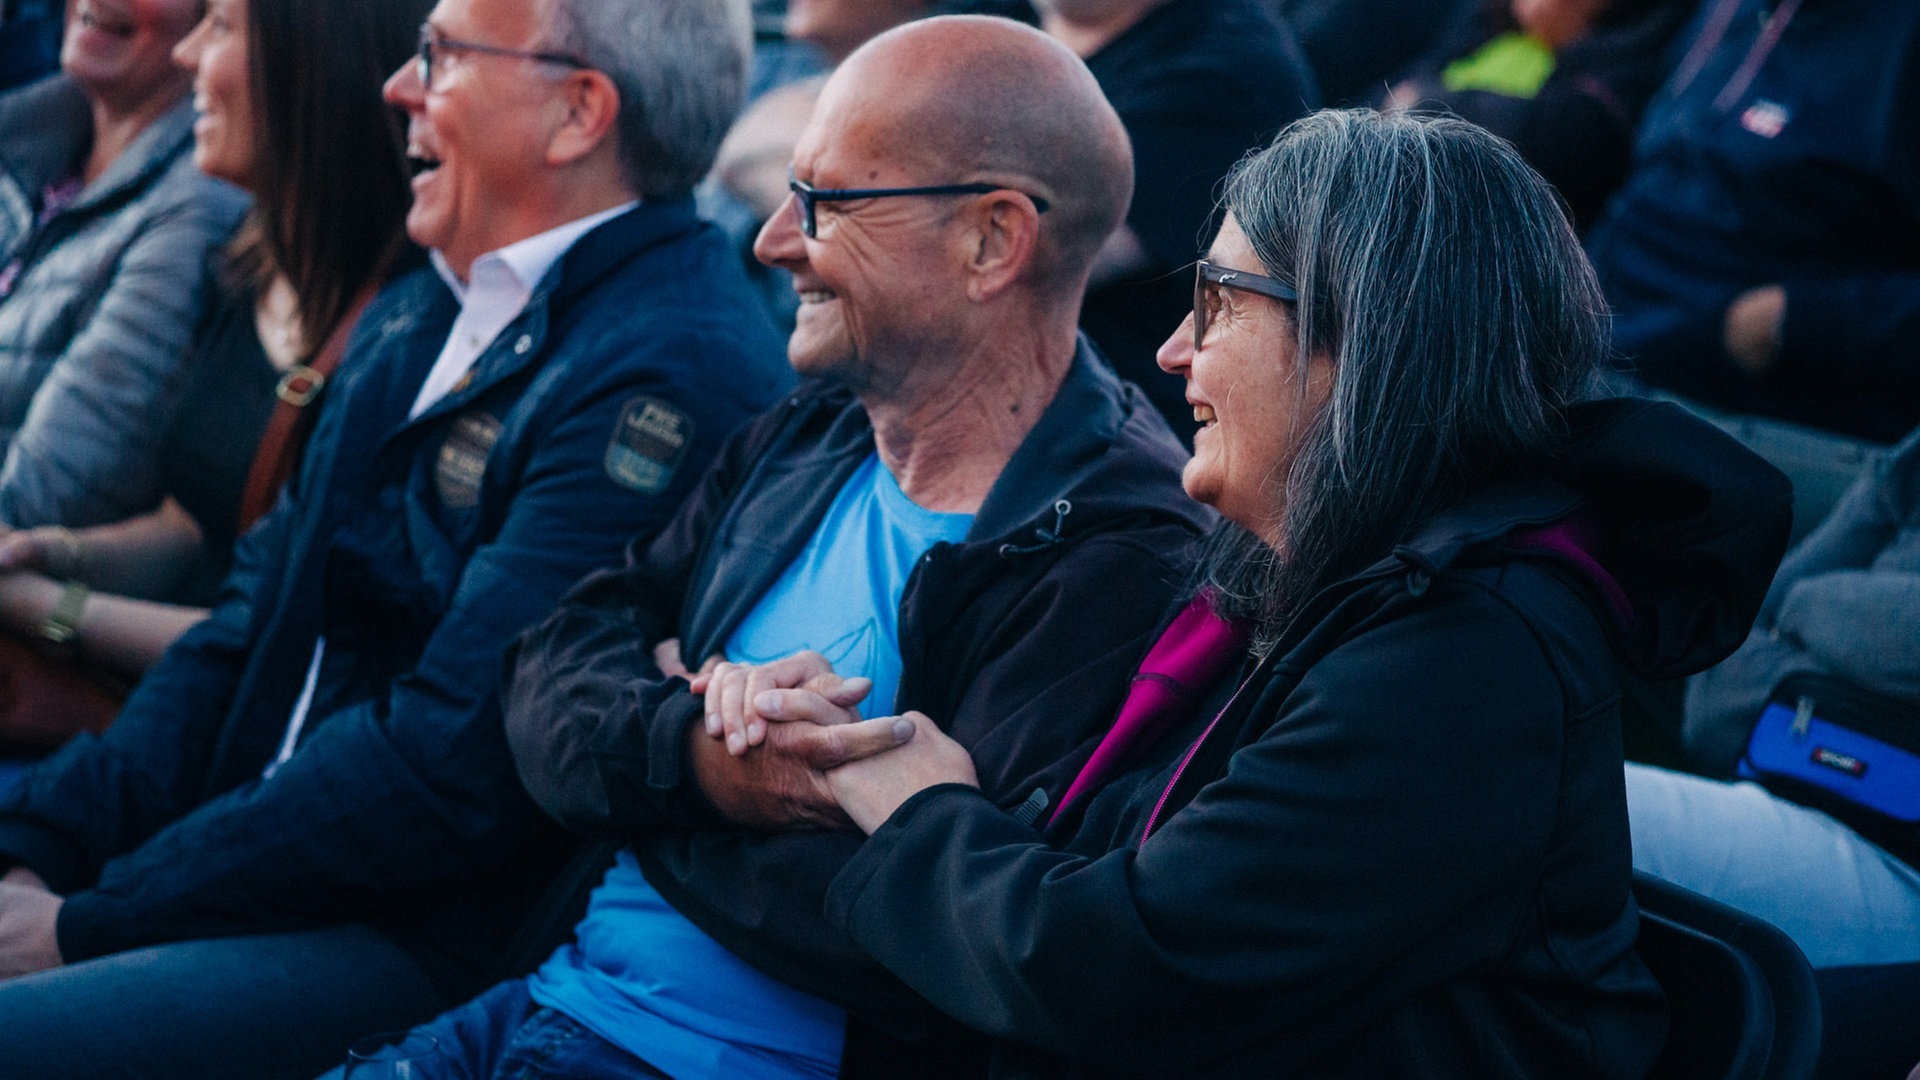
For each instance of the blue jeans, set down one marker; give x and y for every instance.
(1844, 901)
(506, 1035)
(245, 1008)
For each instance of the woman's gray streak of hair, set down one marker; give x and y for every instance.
(1438, 273)
(681, 69)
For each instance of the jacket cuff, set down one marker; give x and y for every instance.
(77, 930)
(1819, 339)
(670, 776)
(1806, 337)
(843, 895)
(58, 863)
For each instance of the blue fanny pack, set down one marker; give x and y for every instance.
(1849, 752)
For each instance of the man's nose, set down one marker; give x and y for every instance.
(780, 242)
(403, 88)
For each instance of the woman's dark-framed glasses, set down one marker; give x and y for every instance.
(806, 196)
(1206, 276)
(429, 45)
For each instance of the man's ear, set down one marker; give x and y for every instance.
(591, 105)
(1002, 242)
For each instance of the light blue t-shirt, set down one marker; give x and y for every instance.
(639, 974)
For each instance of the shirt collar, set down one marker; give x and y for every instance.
(529, 260)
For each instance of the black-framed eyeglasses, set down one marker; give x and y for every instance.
(806, 196)
(429, 45)
(1207, 275)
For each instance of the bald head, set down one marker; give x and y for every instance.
(963, 98)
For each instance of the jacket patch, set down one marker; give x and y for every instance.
(649, 441)
(463, 460)
(1766, 119)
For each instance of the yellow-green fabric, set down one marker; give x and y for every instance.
(1514, 64)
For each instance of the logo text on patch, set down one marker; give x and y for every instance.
(463, 460)
(649, 441)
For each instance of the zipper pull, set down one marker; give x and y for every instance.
(1028, 811)
(1802, 717)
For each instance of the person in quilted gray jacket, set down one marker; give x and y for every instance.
(106, 231)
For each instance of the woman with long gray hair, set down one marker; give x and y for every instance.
(1362, 812)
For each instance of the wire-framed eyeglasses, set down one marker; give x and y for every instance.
(1207, 277)
(806, 197)
(430, 45)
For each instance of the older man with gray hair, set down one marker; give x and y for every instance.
(305, 825)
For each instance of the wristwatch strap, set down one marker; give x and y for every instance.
(61, 626)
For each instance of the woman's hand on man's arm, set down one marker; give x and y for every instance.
(913, 754)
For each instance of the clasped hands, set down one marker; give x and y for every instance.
(783, 745)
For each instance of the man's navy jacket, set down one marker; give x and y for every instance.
(418, 549)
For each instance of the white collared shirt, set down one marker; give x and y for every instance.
(497, 290)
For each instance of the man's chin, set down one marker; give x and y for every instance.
(426, 228)
(813, 357)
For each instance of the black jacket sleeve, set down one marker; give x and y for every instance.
(1028, 687)
(1374, 840)
(1853, 331)
(596, 730)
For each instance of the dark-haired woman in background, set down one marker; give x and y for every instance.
(289, 101)
(1363, 813)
